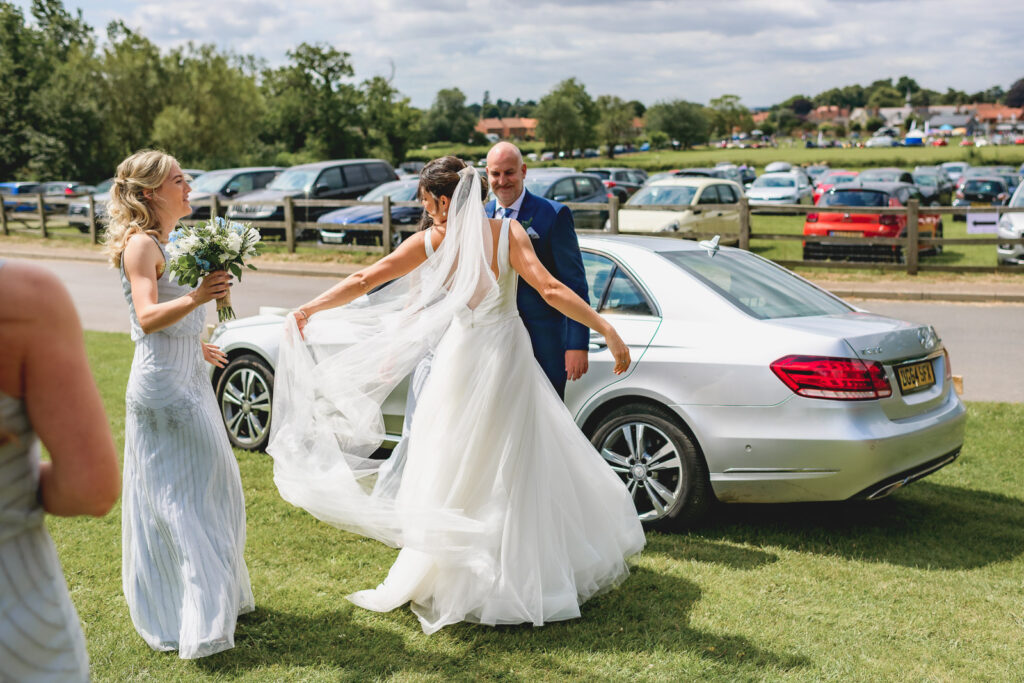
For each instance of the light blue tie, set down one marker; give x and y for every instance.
(508, 213)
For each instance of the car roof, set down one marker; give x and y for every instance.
(335, 162)
(608, 168)
(652, 244)
(689, 181)
(878, 186)
(245, 169)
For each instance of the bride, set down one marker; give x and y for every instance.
(503, 510)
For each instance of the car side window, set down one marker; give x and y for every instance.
(727, 193)
(584, 188)
(709, 195)
(563, 190)
(625, 297)
(356, 175)
(263, 179)
(379, 173)
(241, 183)
(331, 177)
(637, 177)
(598, 270)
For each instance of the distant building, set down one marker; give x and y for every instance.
(829, 113)
(510, 128)
(951, 122)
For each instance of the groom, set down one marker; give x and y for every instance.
(560, 345)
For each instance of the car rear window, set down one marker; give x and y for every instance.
(984, 186)
(854, 198)
(758, 287)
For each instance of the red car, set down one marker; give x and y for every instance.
(838, 223)
(939, 142)
(829, 179)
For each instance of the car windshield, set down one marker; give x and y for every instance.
(926, 179)
(399, 192)
(662, 194)
(758, 287)
(298, 179)
(769, 181)
(104, 186)
(599, 173)
(880, 176)
(854, 198)
(984, 187)
(836, 178)
(211, 182)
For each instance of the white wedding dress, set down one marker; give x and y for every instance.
(505, 513)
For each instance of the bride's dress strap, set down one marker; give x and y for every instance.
(503, 249)
(429, 244)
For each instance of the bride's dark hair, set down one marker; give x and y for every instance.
(439, 178)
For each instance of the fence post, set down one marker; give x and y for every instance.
(910, 250)
(613, 214)
(92, 219)
(744, 223)
(42, 214)
(386, 236)
(3, 217)
(289, 225)
(214, 206)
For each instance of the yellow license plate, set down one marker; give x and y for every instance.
(981, 203)
(915, 377)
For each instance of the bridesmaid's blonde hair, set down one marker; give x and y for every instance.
(128, 211)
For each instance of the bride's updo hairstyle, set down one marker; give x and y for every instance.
(128, 210)
(439, 178)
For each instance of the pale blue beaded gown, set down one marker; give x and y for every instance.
(40, 637)
(183, 514)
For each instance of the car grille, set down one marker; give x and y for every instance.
(77, 210)
(252, 209)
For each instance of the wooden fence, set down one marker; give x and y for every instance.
(293, 229)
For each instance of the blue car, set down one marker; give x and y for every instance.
(16, 188)
(404, 219)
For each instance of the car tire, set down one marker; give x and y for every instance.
(244, 393)
(659, 463)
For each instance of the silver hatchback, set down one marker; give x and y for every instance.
(749, 384)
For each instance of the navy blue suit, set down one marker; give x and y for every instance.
(553, 235)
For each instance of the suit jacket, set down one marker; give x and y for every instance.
(553, 234)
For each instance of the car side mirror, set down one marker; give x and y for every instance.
(230, 191)
(561, 197)
(320, 188)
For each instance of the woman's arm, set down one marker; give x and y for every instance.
(141, 259)
(560, 297)
(63, 403)
(409, 254)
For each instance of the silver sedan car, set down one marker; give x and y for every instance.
(1011, 227)
(749, 384)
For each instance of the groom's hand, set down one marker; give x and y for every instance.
(577, 363)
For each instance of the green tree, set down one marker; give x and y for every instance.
(567, 117)
(615, 122)
(448, 119)
(684, 122)
(390, 124)
(728, 114)
(1015, 95)
(214, 115)
(886, 96)
(22, 72)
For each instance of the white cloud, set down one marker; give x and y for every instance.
(762, 50)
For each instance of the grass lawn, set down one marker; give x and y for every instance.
(925, 585)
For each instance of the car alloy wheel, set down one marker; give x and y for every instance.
(658, 462)
(244, 393)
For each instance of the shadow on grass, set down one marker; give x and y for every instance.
(693, 548)
(925, 526)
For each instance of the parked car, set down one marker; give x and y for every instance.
(827, 181)
(693, 192)
(573, 187)
(816, 171)
(337, 179)
(777, 166)
(622, 181)
(838, 223)
(228, 183)
(780, 187)
(404, 219)
(830, 403)
(10, 190)
(886, 175)
(724, 172)
(1011, 227)
(954, 169)
(66, 188)
(982, 191)
(935, 186)
(78, 211)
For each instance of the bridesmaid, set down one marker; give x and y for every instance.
(183, 518)
(45, 389)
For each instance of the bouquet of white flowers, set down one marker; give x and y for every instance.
(209, 246)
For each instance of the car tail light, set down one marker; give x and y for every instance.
(841, 379)
(610, 195)
(889, 219)
(608, 183)
(949, 370)
(812, 218)
(68, 191)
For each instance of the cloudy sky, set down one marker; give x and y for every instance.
(762, 50)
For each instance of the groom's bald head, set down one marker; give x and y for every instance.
(506, 172)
